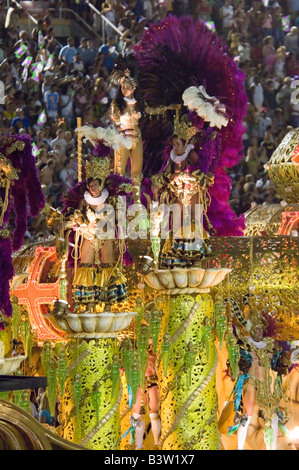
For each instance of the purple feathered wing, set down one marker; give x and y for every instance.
(26, 198)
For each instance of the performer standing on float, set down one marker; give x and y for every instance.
(183, 185)
(261, 365)
(149, 396)
(97, 277)
(125, 113)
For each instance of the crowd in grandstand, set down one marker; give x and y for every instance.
(50, 82)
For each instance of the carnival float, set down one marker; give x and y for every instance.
(145, 326)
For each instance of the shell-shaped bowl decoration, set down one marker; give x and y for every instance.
(122, 320)
(104, 322)
(195, 279)
(11, 364)
(74, 322)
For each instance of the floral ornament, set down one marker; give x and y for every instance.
(108, 135)
(127, 78)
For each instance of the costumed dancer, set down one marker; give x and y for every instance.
(125, 113)
(262, 363)
(183, 187)
(148, 395)
(97, 275)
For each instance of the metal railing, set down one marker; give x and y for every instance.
(104, 20)
(78, 18)
(30, 17)
(33, 20)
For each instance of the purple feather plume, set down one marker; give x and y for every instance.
(26, 198)
(173, 55)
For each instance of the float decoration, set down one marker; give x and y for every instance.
(20, 189)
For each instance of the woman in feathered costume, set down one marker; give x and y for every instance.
(185, 190)
(182, 62)
(97, 277)
(126, 111)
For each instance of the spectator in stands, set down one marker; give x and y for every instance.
(148, 9)
(71, 143)
(257, 93)
(67, 176)
(39, 139)
(84, 53)
(109, 56)
(270, 96)
(254, 20)
(67, 104)
(277, 31)
(294, 109)
(59, 140)
(243, 51)
(50, 40)
(29, 111)
(82, 9)
(267, 23)
(77, 65)
(20, 120)
(268, 146)
(277, 120)
(204, 10)
(291, 40)
(280, 63)
(294, 8)
(51, 99)
(98, 96)
(109, 13)
(250, 196)
(291, 65)
(178, 7)
(3, 54)
(2, 17)
(252, 163)
(227, 16)
(67, 53)
(269, 53)
(47, 174)
(91, 52)
(36, 32)
(264, 122)
(283, 97)
(42, 159)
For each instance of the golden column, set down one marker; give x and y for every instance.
(188, 358)
(89, 413)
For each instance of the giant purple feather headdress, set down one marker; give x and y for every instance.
(179, 54)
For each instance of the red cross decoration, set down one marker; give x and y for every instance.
(36, 294)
